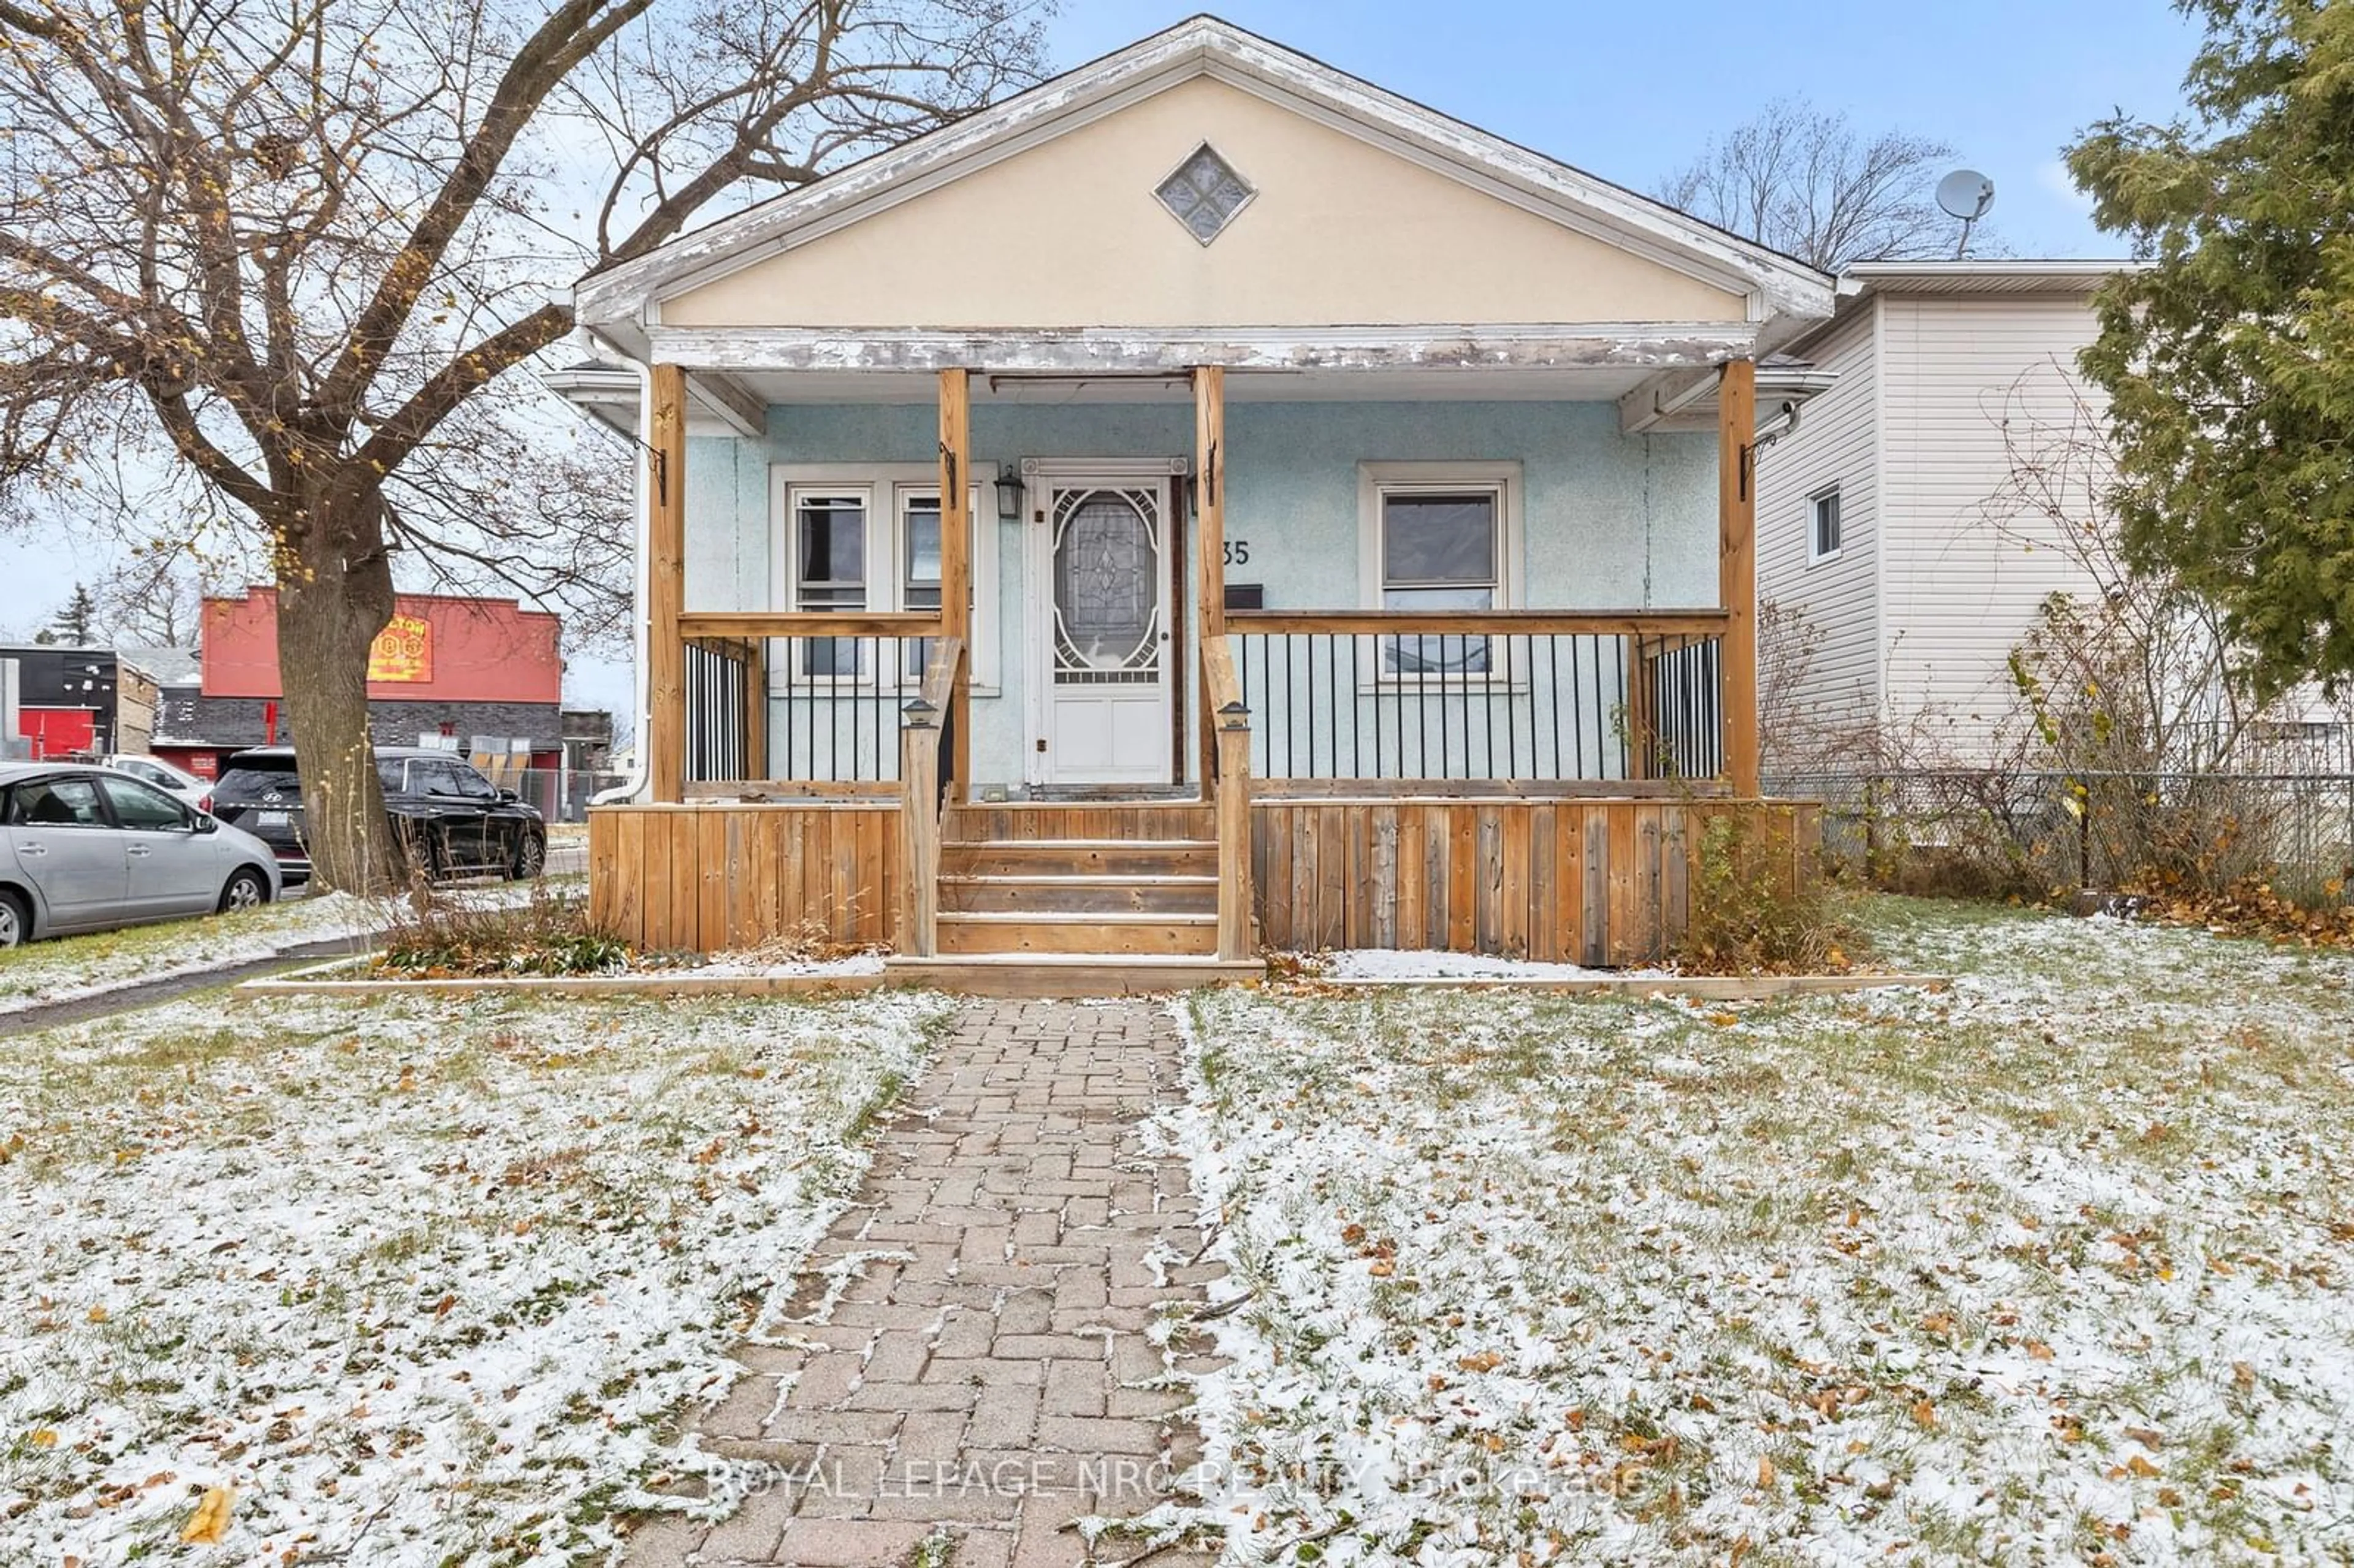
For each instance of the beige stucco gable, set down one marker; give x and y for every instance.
(1068, 234)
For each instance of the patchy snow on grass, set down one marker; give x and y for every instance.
(75, 967)
(72, 968)
(1384, 964)
(760, 966)
(421, 1281)
(2055, 1266)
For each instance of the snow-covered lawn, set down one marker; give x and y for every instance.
(2057, 1266)
(420, 1280)
(74, 967)
(71, 967)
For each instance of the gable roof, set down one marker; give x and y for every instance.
(624, 296)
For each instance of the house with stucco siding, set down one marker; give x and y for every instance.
(1327, 525)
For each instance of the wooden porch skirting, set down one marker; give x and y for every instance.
(720, 878)
(1599, 882)
(1604, 883)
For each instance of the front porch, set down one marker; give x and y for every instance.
(1188, 751)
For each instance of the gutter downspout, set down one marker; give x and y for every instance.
(642, 715)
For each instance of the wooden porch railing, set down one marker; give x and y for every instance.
(726, 707)
(831, 683)
(1557, 697)
(927, 735)
(1230, 790)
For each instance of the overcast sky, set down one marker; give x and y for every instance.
(1631, 92)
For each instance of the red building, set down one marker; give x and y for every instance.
(481, 671)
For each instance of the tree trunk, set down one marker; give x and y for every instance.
(329, 610)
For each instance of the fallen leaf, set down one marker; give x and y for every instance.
(1764, 1470)
(1925, 1414)
(209, 1523)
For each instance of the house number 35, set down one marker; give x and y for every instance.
(1237, 552)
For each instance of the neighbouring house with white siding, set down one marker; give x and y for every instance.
(1895, 600)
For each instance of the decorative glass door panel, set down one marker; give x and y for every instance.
(1101, 558)
(1106, 587)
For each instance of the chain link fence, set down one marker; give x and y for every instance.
(2001, 832)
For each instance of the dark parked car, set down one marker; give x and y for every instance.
(454, 821)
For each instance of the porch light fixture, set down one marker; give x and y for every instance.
(1010, 488)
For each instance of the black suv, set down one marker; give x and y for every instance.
(454, 821)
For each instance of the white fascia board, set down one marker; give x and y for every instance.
(1544, 346)
(1776, 285)
(717, 406)
(626, 292)
(1686, 399)
(1566, 193)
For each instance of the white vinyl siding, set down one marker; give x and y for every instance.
(1957, 595)
(1834, 445)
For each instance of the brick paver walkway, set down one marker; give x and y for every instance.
(974, 1353)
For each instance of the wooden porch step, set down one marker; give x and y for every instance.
(1093, 935)
(1127, 820)
(1080, 857)
(1060, 974)
(1079, 895)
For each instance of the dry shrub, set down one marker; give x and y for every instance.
(1755, 908)
(549, 934)
(811, 942)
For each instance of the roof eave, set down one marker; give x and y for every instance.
(622, 296)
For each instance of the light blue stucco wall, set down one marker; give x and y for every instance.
(1609, 521)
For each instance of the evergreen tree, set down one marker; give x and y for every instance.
(2230, 359)
(77, 623)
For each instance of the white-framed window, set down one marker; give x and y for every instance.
(826, 567)
(1823, 524)
(866, 536)
(1440, 536)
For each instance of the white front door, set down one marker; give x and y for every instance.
(1100, 643)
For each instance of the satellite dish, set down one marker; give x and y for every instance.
(1965, 193)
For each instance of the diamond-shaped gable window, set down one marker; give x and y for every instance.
(1204, 193)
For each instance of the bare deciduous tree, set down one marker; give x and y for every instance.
(291, 243)
(1810, 185)
(156, 597)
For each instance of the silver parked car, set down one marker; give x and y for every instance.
(180, 784)
(86, 849)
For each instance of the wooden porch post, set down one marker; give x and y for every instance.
(1736, 567)
(1210, 512)
(665, 740)
(755, 708)
(956, 565)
